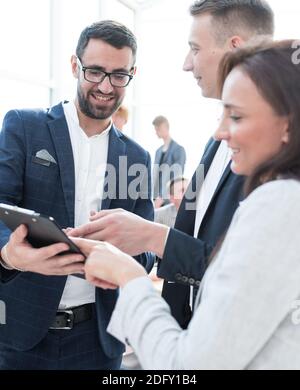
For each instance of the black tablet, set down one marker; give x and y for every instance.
(42, 230)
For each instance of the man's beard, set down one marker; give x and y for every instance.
(91, 111)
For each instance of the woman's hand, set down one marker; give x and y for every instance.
(86, 246)
(108, 267)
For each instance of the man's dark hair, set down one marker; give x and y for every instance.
(109, 31)
(237, 17)
(159, 120)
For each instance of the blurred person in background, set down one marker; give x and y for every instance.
(168, 155)
(166, 215)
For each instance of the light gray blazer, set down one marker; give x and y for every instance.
(248, 311)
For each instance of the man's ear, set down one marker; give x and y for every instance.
(74, 65)
(236, 42)
(133, 71)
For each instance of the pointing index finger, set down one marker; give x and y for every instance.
(89, 228)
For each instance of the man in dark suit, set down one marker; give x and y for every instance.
(207, 209)
(169, 161)
(58, 162)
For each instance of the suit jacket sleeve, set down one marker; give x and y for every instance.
(185, 258)
(12, 165)
(144, 208)
(186, 255)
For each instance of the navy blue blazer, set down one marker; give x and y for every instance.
(32, 299)
(185, 258)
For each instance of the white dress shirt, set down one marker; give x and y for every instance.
(208, 188)
(90, 159)
(212, 179)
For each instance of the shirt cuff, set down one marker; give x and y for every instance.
(3, 263)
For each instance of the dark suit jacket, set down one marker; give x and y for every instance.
(185, 258)
(174, 155)
(32, 299)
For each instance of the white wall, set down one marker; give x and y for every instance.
(25, 57)
(164, 88)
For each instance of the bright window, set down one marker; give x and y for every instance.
(25, 65)
(38, 38)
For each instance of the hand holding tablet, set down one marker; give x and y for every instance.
(42, 246)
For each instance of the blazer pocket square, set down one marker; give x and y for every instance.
(44, 155)
(40, 161)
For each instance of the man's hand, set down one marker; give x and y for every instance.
(127, 231)
(44, 260)
(108, 267)
(158, 203)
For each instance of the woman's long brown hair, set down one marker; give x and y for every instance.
(275, 70)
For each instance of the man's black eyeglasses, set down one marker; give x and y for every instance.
(94, 75)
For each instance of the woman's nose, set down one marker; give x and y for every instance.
(222, 132)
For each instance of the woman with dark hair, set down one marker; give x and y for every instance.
(244, 310)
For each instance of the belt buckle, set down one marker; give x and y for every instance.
(70, 320)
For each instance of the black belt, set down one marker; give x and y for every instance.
(66, 319)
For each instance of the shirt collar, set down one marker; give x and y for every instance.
(72, 113)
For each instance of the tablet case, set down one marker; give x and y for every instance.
(42, 230)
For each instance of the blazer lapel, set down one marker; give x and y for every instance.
(116, 149)
(209, 154)
(158, 156)
(205, 164)
(185, 220)
(223, 179)
(62, 142)
(169, 152)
